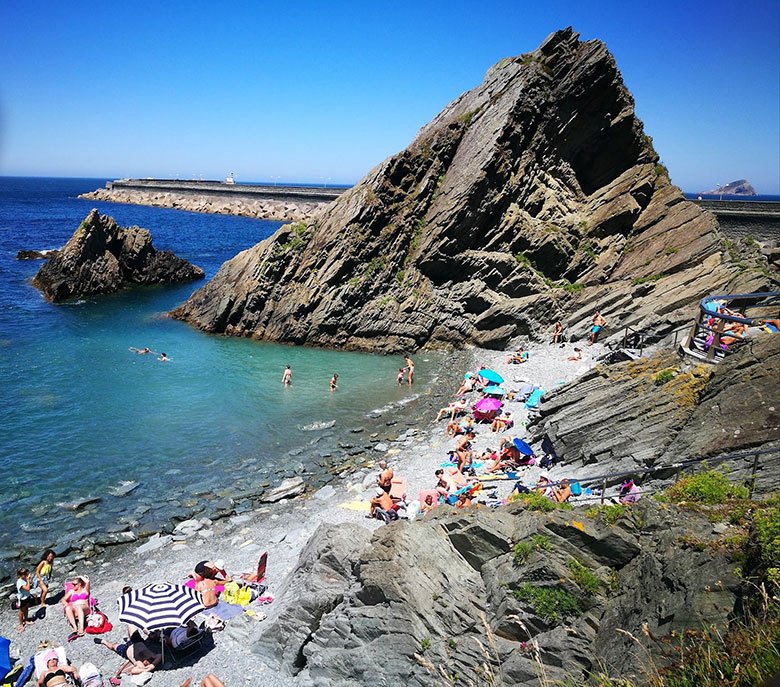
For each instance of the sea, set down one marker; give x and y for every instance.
(83, 417)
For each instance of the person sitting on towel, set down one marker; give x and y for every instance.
(381, 500)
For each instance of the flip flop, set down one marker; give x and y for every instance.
(72, 636)
(115, 681)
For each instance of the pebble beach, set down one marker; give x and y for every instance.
(414, 449)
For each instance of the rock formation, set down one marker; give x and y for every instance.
(536, 195)
(661, 409)
(741, 187)
(102, 257)
(423, 601)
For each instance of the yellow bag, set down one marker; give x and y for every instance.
(233, 594)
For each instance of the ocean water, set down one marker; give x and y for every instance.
(82, 415)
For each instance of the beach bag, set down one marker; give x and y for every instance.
(576, 489)
(97, 623)
(90, 676)
(10, 678)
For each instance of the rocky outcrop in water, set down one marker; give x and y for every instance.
(663, 409)
(535, 196)
(449, 595)
(741, 187)
(102, 257)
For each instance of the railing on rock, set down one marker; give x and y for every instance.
(725, 316)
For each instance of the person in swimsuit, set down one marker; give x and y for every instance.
(76, 603)
(24, 595)
(410, 369)
(597, 326)
(163, 358)
(334, 381)
(140, 351)
(139, 658)
(287, 376)
(54, 674)
(42, 578)
(210, 680)
(401, 374)
(557, 333)
(385, 479)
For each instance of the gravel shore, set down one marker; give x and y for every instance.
(283, 529)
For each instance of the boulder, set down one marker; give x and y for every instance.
(102, 257)
(289, 488)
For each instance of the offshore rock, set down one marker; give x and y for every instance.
(102, 257)
(533, 197)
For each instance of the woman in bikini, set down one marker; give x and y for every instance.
(76, 603)
(42, 578)
(54, 674)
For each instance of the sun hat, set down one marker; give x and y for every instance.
(52, 655)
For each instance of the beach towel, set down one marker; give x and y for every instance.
(40, 659)
(225, 611)
(525, 391)
(356, 505)
(534, 398)
(398, 489)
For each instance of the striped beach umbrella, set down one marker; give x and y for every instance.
(158, 606)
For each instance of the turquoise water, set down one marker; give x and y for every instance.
(82, 413)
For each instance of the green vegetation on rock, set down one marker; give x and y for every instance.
(552, 604)
(585, 579)
(611, 512)
(710, 487)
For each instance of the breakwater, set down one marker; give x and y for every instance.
(741, 218)
(284, 203)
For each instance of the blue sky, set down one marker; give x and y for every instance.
(314, 91)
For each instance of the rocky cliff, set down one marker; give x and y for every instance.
(663, 409)
(534, 196)
(102, 257)
(502, 596)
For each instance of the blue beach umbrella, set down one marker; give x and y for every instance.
(494, 390)
(491, 376)
(521, 446)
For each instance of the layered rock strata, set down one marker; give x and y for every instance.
(663, 409)
(285, 211)
(424, 601)
(535, 196)
(102, 257)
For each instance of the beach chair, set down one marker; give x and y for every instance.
(398, 489)
(5, 658)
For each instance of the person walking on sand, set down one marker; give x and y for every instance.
(557, 333)
(287, 376)
(334, 381)
(410, 369)
(597, 326)
(24, 596)
(42, 579)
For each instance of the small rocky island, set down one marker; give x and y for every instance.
(741, 187)
(102, 257)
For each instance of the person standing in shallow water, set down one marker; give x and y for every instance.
(410, 369)
(287, 376)
(334, 381)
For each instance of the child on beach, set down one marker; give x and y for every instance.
(401, 375)
(42, 578)
(25, 596)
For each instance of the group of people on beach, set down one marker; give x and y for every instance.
(140, 651)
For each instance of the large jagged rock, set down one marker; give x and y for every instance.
(664, 408)
(102, 257)
(423, 601)
(539, 178)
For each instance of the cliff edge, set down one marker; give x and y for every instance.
(533, 197)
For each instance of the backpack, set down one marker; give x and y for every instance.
(90, 676)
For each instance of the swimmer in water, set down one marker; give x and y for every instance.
(334, 381)
(163, 358)
(140, 351)
(287, 376)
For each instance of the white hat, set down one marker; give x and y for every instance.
(219, 563)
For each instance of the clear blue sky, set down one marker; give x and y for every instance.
(311, 91)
